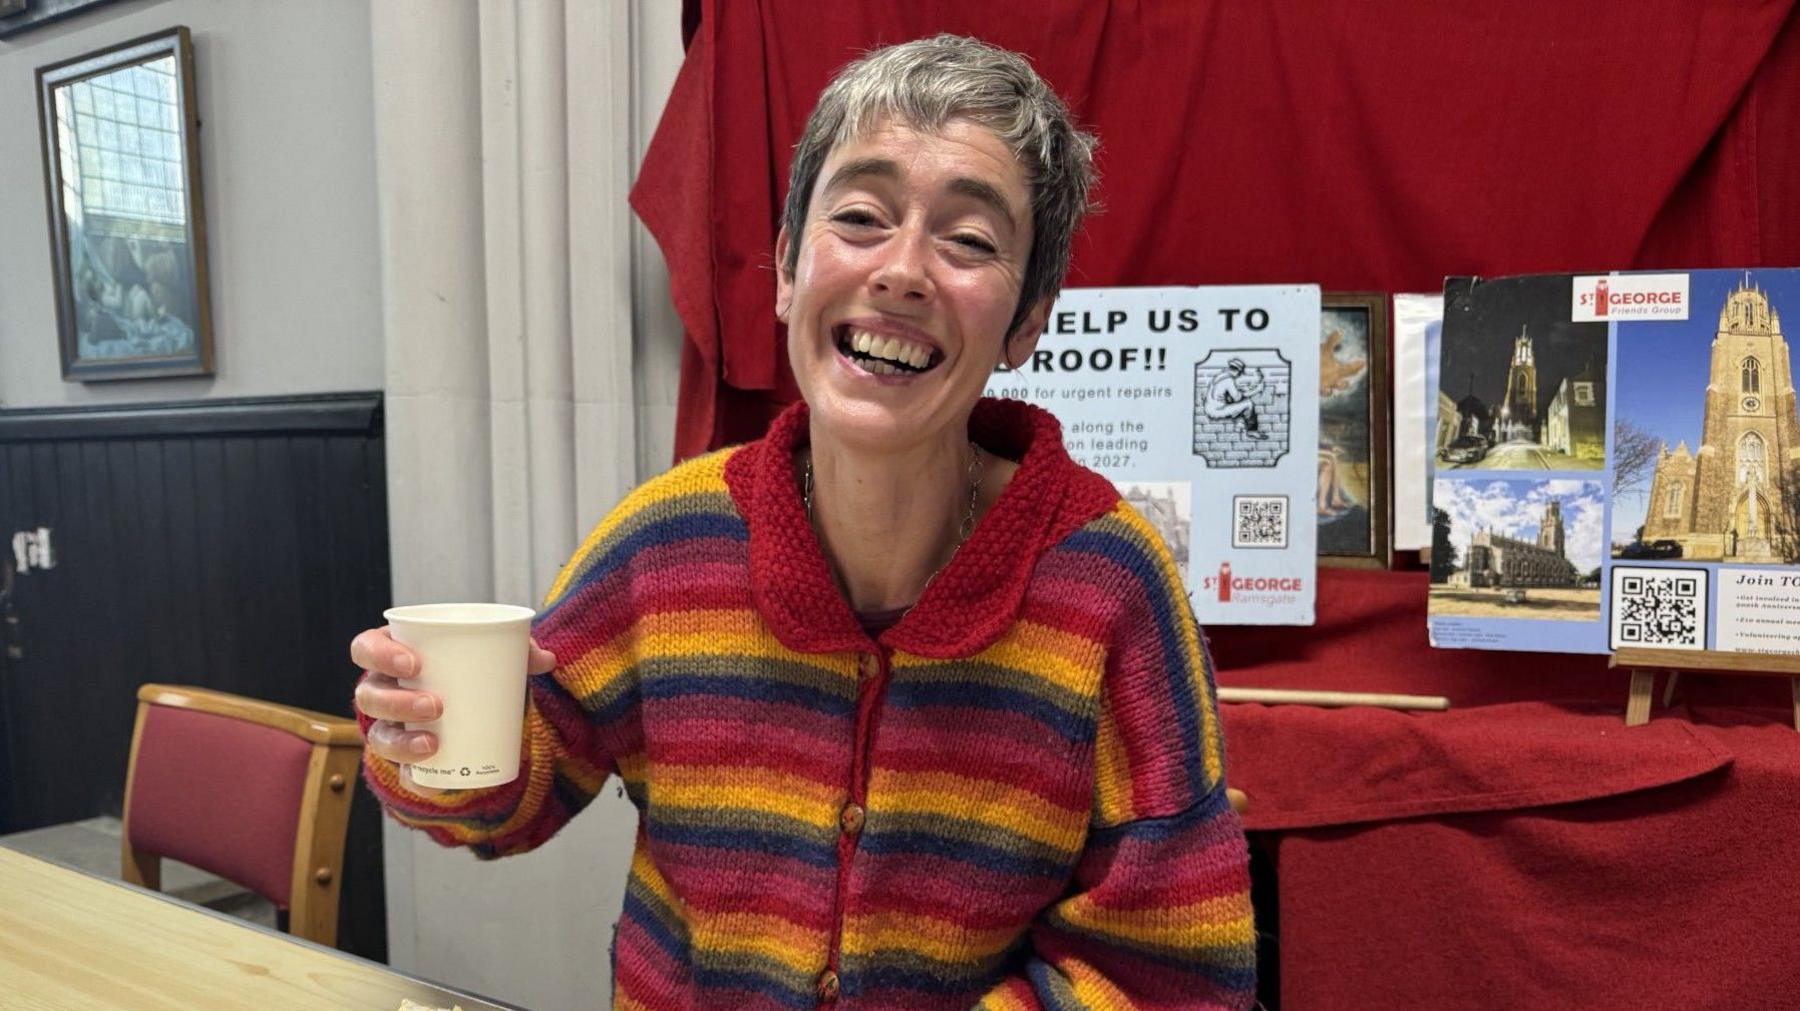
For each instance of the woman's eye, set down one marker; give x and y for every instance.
(857, 219)
(975, 243)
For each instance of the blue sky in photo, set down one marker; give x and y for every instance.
(1662, 368)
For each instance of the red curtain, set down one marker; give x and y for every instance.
(1357, 145)
(1369, 146)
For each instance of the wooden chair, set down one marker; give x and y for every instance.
(254, 792)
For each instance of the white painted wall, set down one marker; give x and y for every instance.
(287, 165)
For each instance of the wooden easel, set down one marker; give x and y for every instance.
(1644, 663)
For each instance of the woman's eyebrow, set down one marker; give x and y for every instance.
(987, 194)
(851, 171)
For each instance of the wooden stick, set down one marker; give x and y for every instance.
(1282, 696)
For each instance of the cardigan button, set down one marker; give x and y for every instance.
(828, 987)
(851, 819)
(871, 665)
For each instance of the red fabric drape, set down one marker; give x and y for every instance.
(1356, 145)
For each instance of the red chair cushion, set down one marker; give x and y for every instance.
(220, 794)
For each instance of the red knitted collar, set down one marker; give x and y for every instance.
(973, 600)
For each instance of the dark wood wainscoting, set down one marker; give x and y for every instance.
(234, 544)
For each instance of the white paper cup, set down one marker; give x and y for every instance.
(473, 658)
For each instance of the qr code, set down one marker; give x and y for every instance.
(1658, 608)
(1259, 521)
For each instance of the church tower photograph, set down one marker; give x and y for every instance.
(1527, 383)
(1518, 547)
(1723, 483)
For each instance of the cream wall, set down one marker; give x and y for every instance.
(288, 167)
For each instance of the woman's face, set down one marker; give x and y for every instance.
(910, 267)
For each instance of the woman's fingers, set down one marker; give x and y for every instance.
(376, 650)
(380, 697)
(398, 744)
(542, 660)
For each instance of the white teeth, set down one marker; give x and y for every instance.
(894, 349)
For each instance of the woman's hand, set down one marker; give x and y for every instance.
(380, 697)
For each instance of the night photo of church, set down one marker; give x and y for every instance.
(1521, 387)
(1717, 396)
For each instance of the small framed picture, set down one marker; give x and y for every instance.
(1353, 500)
(127, 226)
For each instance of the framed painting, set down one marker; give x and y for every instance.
(1353, 500)
(127, 227)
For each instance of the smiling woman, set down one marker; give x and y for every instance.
(913, 707)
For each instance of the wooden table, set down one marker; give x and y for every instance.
(72, 940)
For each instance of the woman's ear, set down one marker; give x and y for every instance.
(784, 282)
(1022, 341)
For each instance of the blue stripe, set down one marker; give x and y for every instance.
(990, 858)
(638, 911)
(571, 795)
(856, 984)
(621, 705)
(726, 979)
(1052, 987)
(749, 688)
(769, 844)
(965, 694)
(679, 527)
(1136, 558)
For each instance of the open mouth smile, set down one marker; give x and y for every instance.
(884, 355)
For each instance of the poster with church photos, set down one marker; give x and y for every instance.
(1617, 463)
(1202, 406)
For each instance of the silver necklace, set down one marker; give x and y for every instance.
(968, 522)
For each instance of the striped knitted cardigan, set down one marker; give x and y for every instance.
(1013, 798)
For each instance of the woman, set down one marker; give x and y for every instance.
(913, 707)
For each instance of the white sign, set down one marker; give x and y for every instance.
(1202, 406)
(1759, 611)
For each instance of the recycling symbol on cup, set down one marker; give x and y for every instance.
(465, 770)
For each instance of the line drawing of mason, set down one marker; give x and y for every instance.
(1233, 395)
(1241, 407)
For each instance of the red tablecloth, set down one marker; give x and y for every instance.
(1513, 853)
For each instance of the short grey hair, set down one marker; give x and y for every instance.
(925, 84)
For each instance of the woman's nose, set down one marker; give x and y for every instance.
(902, 272)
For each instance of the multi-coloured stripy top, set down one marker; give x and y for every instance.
(1014, 797)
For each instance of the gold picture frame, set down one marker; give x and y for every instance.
(1355, 501)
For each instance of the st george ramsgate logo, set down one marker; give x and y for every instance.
(1603, 298)
(1265, 591)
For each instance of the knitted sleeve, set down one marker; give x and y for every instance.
(581, 720)
(1158, 915)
